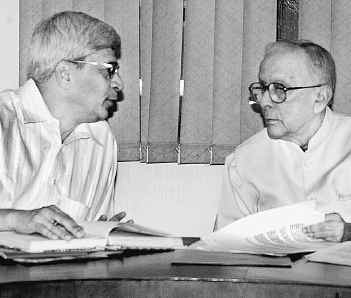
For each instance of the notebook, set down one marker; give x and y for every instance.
(100, 235)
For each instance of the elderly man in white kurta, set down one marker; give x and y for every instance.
(304, 151)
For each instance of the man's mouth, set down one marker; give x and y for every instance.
(271, 120)
(108, 103)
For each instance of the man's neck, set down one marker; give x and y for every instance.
(315, 124)
(59, 108)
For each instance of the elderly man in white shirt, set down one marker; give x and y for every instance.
(304, 151)
(58, 155)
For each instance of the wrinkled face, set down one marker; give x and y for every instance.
(95, 92)
(291, 119)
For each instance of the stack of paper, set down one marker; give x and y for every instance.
(99, 235)
(277, 231)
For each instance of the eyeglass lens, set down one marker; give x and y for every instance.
(113, 69)
(276, 91)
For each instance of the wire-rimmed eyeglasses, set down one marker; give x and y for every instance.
(111, 67)
(277, 91)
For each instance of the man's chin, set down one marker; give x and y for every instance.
(274, 133)
(110, 107)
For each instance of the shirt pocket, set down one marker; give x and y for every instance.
(77, 210)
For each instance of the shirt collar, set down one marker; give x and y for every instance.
(82, 131)
(35, 110)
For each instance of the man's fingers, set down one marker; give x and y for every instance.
(43, 230)
(52, 229)
(102, 218)
(63, 222)
(329, 230)
(118, 217)
(58, 223)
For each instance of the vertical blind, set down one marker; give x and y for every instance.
(214, 47)
(331, 27)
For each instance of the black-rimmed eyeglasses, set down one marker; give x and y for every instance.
(277, 91)
(111, 67)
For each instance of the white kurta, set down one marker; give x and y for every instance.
(264, 173)
(37, 169)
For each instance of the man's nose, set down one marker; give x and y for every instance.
(116, 86)
(266, 99)
(117, 82)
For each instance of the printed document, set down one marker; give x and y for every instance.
(277, 231)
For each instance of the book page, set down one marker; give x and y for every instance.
(277, 231)
(99, 228)
(97, 235)
(96, 238)
(37, 243)
(127, 240)
(103, 228)
(135, 228)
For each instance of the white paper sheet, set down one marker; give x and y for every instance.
(277, 231)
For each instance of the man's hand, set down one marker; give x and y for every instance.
(332, 229)
(49, 221)
(117, 217)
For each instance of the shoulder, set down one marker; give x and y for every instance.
(250, 149)
(341, 123)
(8, 102)
(340, 118)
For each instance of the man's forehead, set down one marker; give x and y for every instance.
(287, 63)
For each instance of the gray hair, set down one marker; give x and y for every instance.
(67, 35)
(321, 60)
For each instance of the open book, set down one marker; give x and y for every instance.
(100, 235)
(277, 231)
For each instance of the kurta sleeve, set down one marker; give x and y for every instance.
(239, 197)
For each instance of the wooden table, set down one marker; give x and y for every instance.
(154, 276)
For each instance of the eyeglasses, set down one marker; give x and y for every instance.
(111, 67)
(277, 91)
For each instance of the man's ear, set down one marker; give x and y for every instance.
(323, 97)
(63, 74)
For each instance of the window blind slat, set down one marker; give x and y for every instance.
(29, 14)
(227, 77)
(259, 29)
(198, 61)
(124, 17)
(318, 27)
(95, 8)
(288, 19)
(146, 12)
(50, 7)
(331, 27)
(165, 74)
(341, 51)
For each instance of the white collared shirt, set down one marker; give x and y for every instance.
(264, 173)
(37, 169)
